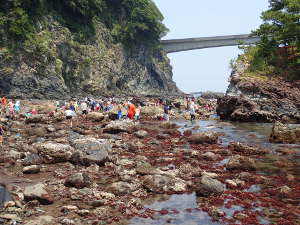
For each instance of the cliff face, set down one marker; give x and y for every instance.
(259, 98)
(56, 66)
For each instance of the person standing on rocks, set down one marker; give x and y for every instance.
(131, 111)
(84, 108)
(138, 112)
(119, 108)
(69, 115)
(192, 110)
(1, 134)
(166, 112)
(3, 104)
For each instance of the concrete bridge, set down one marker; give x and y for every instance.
(178, 45)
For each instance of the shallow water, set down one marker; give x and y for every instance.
(186, 213)
(249, 133)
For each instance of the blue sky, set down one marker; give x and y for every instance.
(207, 69)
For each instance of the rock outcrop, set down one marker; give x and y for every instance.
(259, 98)
(66, 68)
(284, 134)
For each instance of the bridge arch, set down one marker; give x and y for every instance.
(178, 45)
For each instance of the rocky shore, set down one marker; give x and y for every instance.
(103, 171)
(259, 98)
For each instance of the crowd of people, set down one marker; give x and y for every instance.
(12, 109)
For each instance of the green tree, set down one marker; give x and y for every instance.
(281, 27)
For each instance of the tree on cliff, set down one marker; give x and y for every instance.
(281, 28)
(130, 21)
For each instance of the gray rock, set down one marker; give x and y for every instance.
(238, 162)
(204, 137)
(31, 169)
(118, 126)
(41, 220)
(121, 188)
(32, 159)
(209, 186)
(52, 152)
(210, 156)
(38, 192)
(246, 149)
(90, 150)
(163, 184)
(285, 134)
(95, 116)
(78, 180)
(141, 134)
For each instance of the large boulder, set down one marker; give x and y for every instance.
(239, 162)
(204, 138)
(78, 180)
(118, 126)
(247, 149)
(95, 116)
(38, 192)
(209, 186)
(284, 134)
(151, 111)
(90, 150)
(52, 152)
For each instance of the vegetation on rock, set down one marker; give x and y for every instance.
(278, 52)
(130, 21)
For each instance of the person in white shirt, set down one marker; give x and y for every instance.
(69, 115)
(84, 108)
(192, 110)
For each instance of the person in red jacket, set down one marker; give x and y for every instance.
(131, 111)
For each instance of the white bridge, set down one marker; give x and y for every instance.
(178, 45)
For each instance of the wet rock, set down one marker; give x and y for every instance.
(238, 162)
(286, 151)
(284, 134)
(66, 221)
(151, 112)
(118, 126)
(187, 133)
(32, 159)
(163, 184)
(95, 116)
(204, 138)
(68, 208)
(11, 217)
(36, 131)
(78, 180)
(246, 149)
(38, 192)
(285, 190)
(52, 152)
(51, 128)
(97, 203)
(31, 169)
(141, 134)
(121, 188)
(168, 125)
(146, 169)
(234, 183)
(35, 119)
(210, 156)
(209, 186)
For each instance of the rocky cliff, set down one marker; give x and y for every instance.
(55, 65)
(259, 98)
